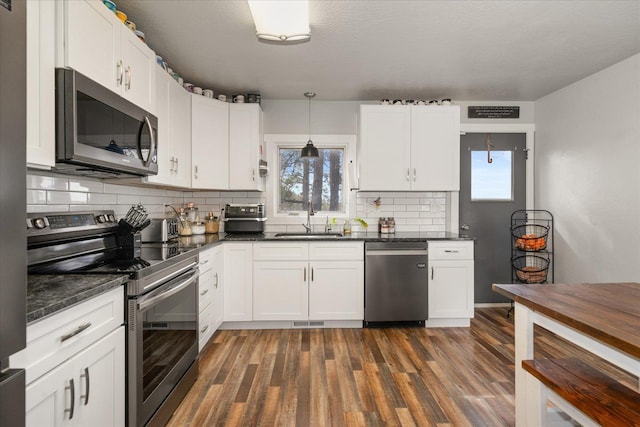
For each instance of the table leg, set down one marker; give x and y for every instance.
(531, 399)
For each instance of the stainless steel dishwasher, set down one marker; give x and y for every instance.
(396, 283)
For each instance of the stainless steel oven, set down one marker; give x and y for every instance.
(162, 341)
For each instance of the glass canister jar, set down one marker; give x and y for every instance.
(211, 224)
(184, 228)
(192, 212)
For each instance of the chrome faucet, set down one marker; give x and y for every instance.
(310, 213)
(327, 226)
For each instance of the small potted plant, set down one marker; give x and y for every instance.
(346, 228)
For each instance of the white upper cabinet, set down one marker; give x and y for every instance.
(409, 148)
(174, 133)
(245, 147)
(98, 45)
(209, 143)
(41, 48)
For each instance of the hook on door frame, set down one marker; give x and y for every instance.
(489, 145)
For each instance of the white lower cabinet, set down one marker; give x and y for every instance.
(86, 390)
(451, 285)
(308, 281)
(238, 281)
(75, 363)
(210, 303)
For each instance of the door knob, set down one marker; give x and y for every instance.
(464, 227)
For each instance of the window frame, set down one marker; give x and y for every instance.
(273, 142)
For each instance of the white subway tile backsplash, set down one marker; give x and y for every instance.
(102, 199)
(66, 198)
(36, 197)
(42, 182)
(128, 199)
(47, 208)
(87, 186)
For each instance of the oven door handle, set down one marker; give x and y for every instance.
(153, 300)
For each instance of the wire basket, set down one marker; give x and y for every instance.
(530, 237)
(531, 268)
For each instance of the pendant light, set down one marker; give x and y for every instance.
(309, 150)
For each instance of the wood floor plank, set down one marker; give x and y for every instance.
(366, 377)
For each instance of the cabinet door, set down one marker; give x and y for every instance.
(238, 282)
(336, 290)
(280, 290)
(450, 289)
(100, 390)
(139, 70)
(384, 152)
(180, 134)
(204, 329)
(205, 289)
(41, 48)
(49, 396)
(165, 155)
(217, 299)
(209, 143)
(92, 42)
(435, 148)
(245, 142)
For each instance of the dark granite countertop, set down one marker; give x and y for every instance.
(48, 294)
(201, 241)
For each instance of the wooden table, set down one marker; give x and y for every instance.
(603, 318)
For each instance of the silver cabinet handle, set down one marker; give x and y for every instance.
(120, 72)
(204, 261)
(203, 330)
(177, 165)
(431, 273)
(204, 293)
(312, 274)
(408, 174)
(451, 251)
(152, 146)
(75, 332)
(195, 171)
(216, 282)
(253, 174)
(414, 174)
(72, 388)
(85, 375)
(127, 74)
(305, 274)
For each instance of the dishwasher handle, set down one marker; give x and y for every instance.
(396, 252)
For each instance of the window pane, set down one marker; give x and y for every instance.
(491, 181)
(320, 179)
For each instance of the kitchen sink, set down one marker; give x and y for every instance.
(308, 235)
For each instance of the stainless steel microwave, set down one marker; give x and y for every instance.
(99, 133)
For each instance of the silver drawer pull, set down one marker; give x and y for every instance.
(204, 293)
(75, 332)
(204, 261)
(451, 251)
(203, 330)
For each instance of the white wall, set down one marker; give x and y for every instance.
(588, 175)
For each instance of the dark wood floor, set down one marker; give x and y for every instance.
(364, 377)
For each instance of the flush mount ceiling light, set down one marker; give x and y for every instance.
(281, 21)
(309, 150)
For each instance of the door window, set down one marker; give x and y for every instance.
(491, 181)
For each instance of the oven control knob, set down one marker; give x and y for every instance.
(101, 219)
(39, 223)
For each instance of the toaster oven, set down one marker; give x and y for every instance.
(244, 218)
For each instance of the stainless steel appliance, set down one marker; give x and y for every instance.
(13, 271)
(248, 218)
(161, 230)
(396, 283)
(162, 310)
(99, 133)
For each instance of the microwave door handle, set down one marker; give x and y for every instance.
(152, 147)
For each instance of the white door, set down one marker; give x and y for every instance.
(245, 125)
(450, 285)
(165, 153)
(48, 399)
(238, 279)
(280, 290)
(180, 134)
(210, 143)
(139, 71)
(384, 151)
(336, 290)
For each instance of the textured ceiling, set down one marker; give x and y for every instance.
(367, 50)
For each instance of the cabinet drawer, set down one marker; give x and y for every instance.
(205, 289)
(204, 327)
(280, 251)
(336, 251)
(206, 260)
(450, 250)
(54, 339)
